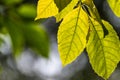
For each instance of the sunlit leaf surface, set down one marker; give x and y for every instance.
(46, 8)
(66, 10)
(72, 35)
(103, 51)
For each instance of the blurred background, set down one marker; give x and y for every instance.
(17, 27)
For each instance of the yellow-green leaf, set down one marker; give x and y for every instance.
(115, 5)
(72, 35)
(46, 8)
(61, 4)
(103, 52)
(27, 10)
(66, 10)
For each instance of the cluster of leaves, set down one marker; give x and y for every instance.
(17, 20)
(81, 28)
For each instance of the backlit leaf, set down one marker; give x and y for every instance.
(103, 51)
(61, 4)
(115, 5)
(66, 10)
(46, 8)
(72, 35)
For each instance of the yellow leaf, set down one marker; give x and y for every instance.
(66, 10)
(46, 8)
(72, 35)
(103, 52)
(115, 5)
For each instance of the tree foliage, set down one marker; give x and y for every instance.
(24, 32)
(82, 28)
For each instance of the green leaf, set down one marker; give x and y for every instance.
(12, 2)
(72, 35)
(115, 5)
(16, 37)
(103, 52)
(61, 4)
(46, 8)
(66, 10)
(27, 10)
(37, 39)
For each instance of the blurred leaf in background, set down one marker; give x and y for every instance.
(11, 2)
(17, 17)
(36, 38)
(27, 10)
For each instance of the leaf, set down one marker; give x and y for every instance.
(103, 52)
(16, 37)
(46, 8)
(66, 10)
(61, 4)
(11, 2)
(37, 39)
(27, 10)
(115, 5)
(72, 35)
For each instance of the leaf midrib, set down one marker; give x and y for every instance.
(73, 35)
(102, 49)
